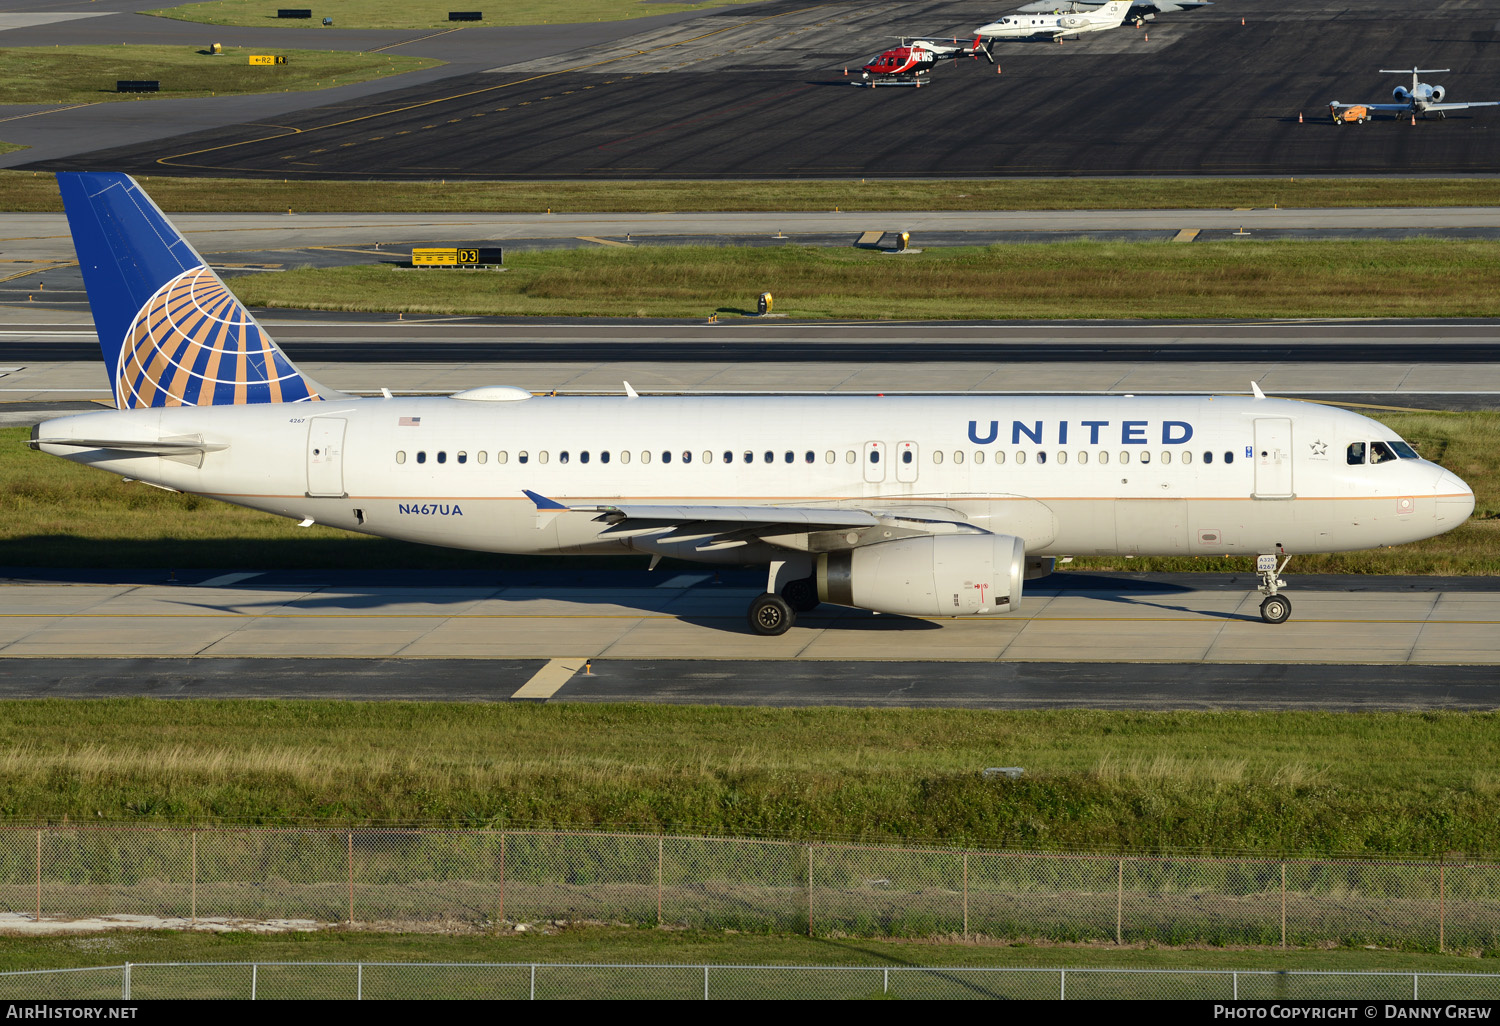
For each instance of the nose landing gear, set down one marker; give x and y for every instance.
(1274, 608)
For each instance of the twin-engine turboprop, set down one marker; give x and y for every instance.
(1057, 26)
(1421, 99)
(908, 63)
(939, 506)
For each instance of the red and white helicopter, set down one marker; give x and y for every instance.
(910, 62)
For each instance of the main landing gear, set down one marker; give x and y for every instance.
(774, 612)
(1274, 608)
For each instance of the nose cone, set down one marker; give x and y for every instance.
(1455, 500)
(988, 30)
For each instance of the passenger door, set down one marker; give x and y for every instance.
(1273, 458)
(325, 456)
(908, 460)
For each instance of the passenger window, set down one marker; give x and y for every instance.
(522, 457)
(666, 457)
(978, 455)
(1041, 457)
(708, 457)
(769, 457)
(1125, 457)
(1208, 457)
(1380, 453)
(687, 457)
(604, 457)
(645, 455)
(958, 455)
(1187, 457)
(937, 455)
(400, 456)
(541, 457)
(502, 456)
(1229, 456)
(808, 457)
(749, 457)
(483, 456)
(442, 457)
(624, 455)
(1145, 456)
(1103, 457)
(850, 457)
(583, 457)
(1083, 456)
(463, 457)
(562, 457)
(421, 457)
(829, 457)
(728, 456)
(906, 456)
(999, 456)
(1166, 456)
(1405, 451)
(1062, 457)
(1020, 455)
(790, 457)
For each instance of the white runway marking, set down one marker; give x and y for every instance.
(550, 678)
(684, 580)
(16, 21)
(225, 580)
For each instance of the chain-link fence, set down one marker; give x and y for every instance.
(539, 981)
(477, 879)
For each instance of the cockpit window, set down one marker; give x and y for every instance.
(1380, 453)
(1356, 455)
(1405, 451)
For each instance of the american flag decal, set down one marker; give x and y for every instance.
(410, 422)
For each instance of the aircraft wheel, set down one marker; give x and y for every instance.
(1275, 609)
(801, 595)
(770, 615)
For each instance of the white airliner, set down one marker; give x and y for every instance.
(1056, 26)
(927, 506)
(1422, 99)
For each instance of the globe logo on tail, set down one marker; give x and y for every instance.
(193, 344)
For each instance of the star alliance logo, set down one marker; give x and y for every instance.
(1320, 448)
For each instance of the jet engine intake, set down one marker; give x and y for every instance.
(949, 575)
(1437, 93)
(1401, 94)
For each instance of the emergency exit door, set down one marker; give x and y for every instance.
(1273, 458)
(325, 456)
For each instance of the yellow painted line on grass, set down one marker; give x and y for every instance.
(550, 678)
(1186, 235)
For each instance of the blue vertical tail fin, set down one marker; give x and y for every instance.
(171, 332)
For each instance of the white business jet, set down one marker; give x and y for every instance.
(937, 506)
(1421, 100)
(1056, 26)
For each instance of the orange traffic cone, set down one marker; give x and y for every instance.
(846, 72)
(1299, 117)
(1414, 120)
(997, 69)
(1242, 23)
(1148, 37)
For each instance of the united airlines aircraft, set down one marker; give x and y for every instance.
(926, 506)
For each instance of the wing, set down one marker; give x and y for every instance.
(788, 526)
(1370, 106)
(1463, 106)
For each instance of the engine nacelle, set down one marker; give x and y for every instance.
(951, 575)
(1401, 94)
(1437, 94)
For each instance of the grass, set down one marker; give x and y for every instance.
(32, 191)
(1263, 782)
(54, 513)
(6, 147)
(1084, 279)
(606, 944)
(87, 74)
(420, 14)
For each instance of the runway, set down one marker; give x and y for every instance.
(760, 92)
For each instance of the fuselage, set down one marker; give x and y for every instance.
(1069, 475)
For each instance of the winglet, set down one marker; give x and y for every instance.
(1255, 388)
(542, 502)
